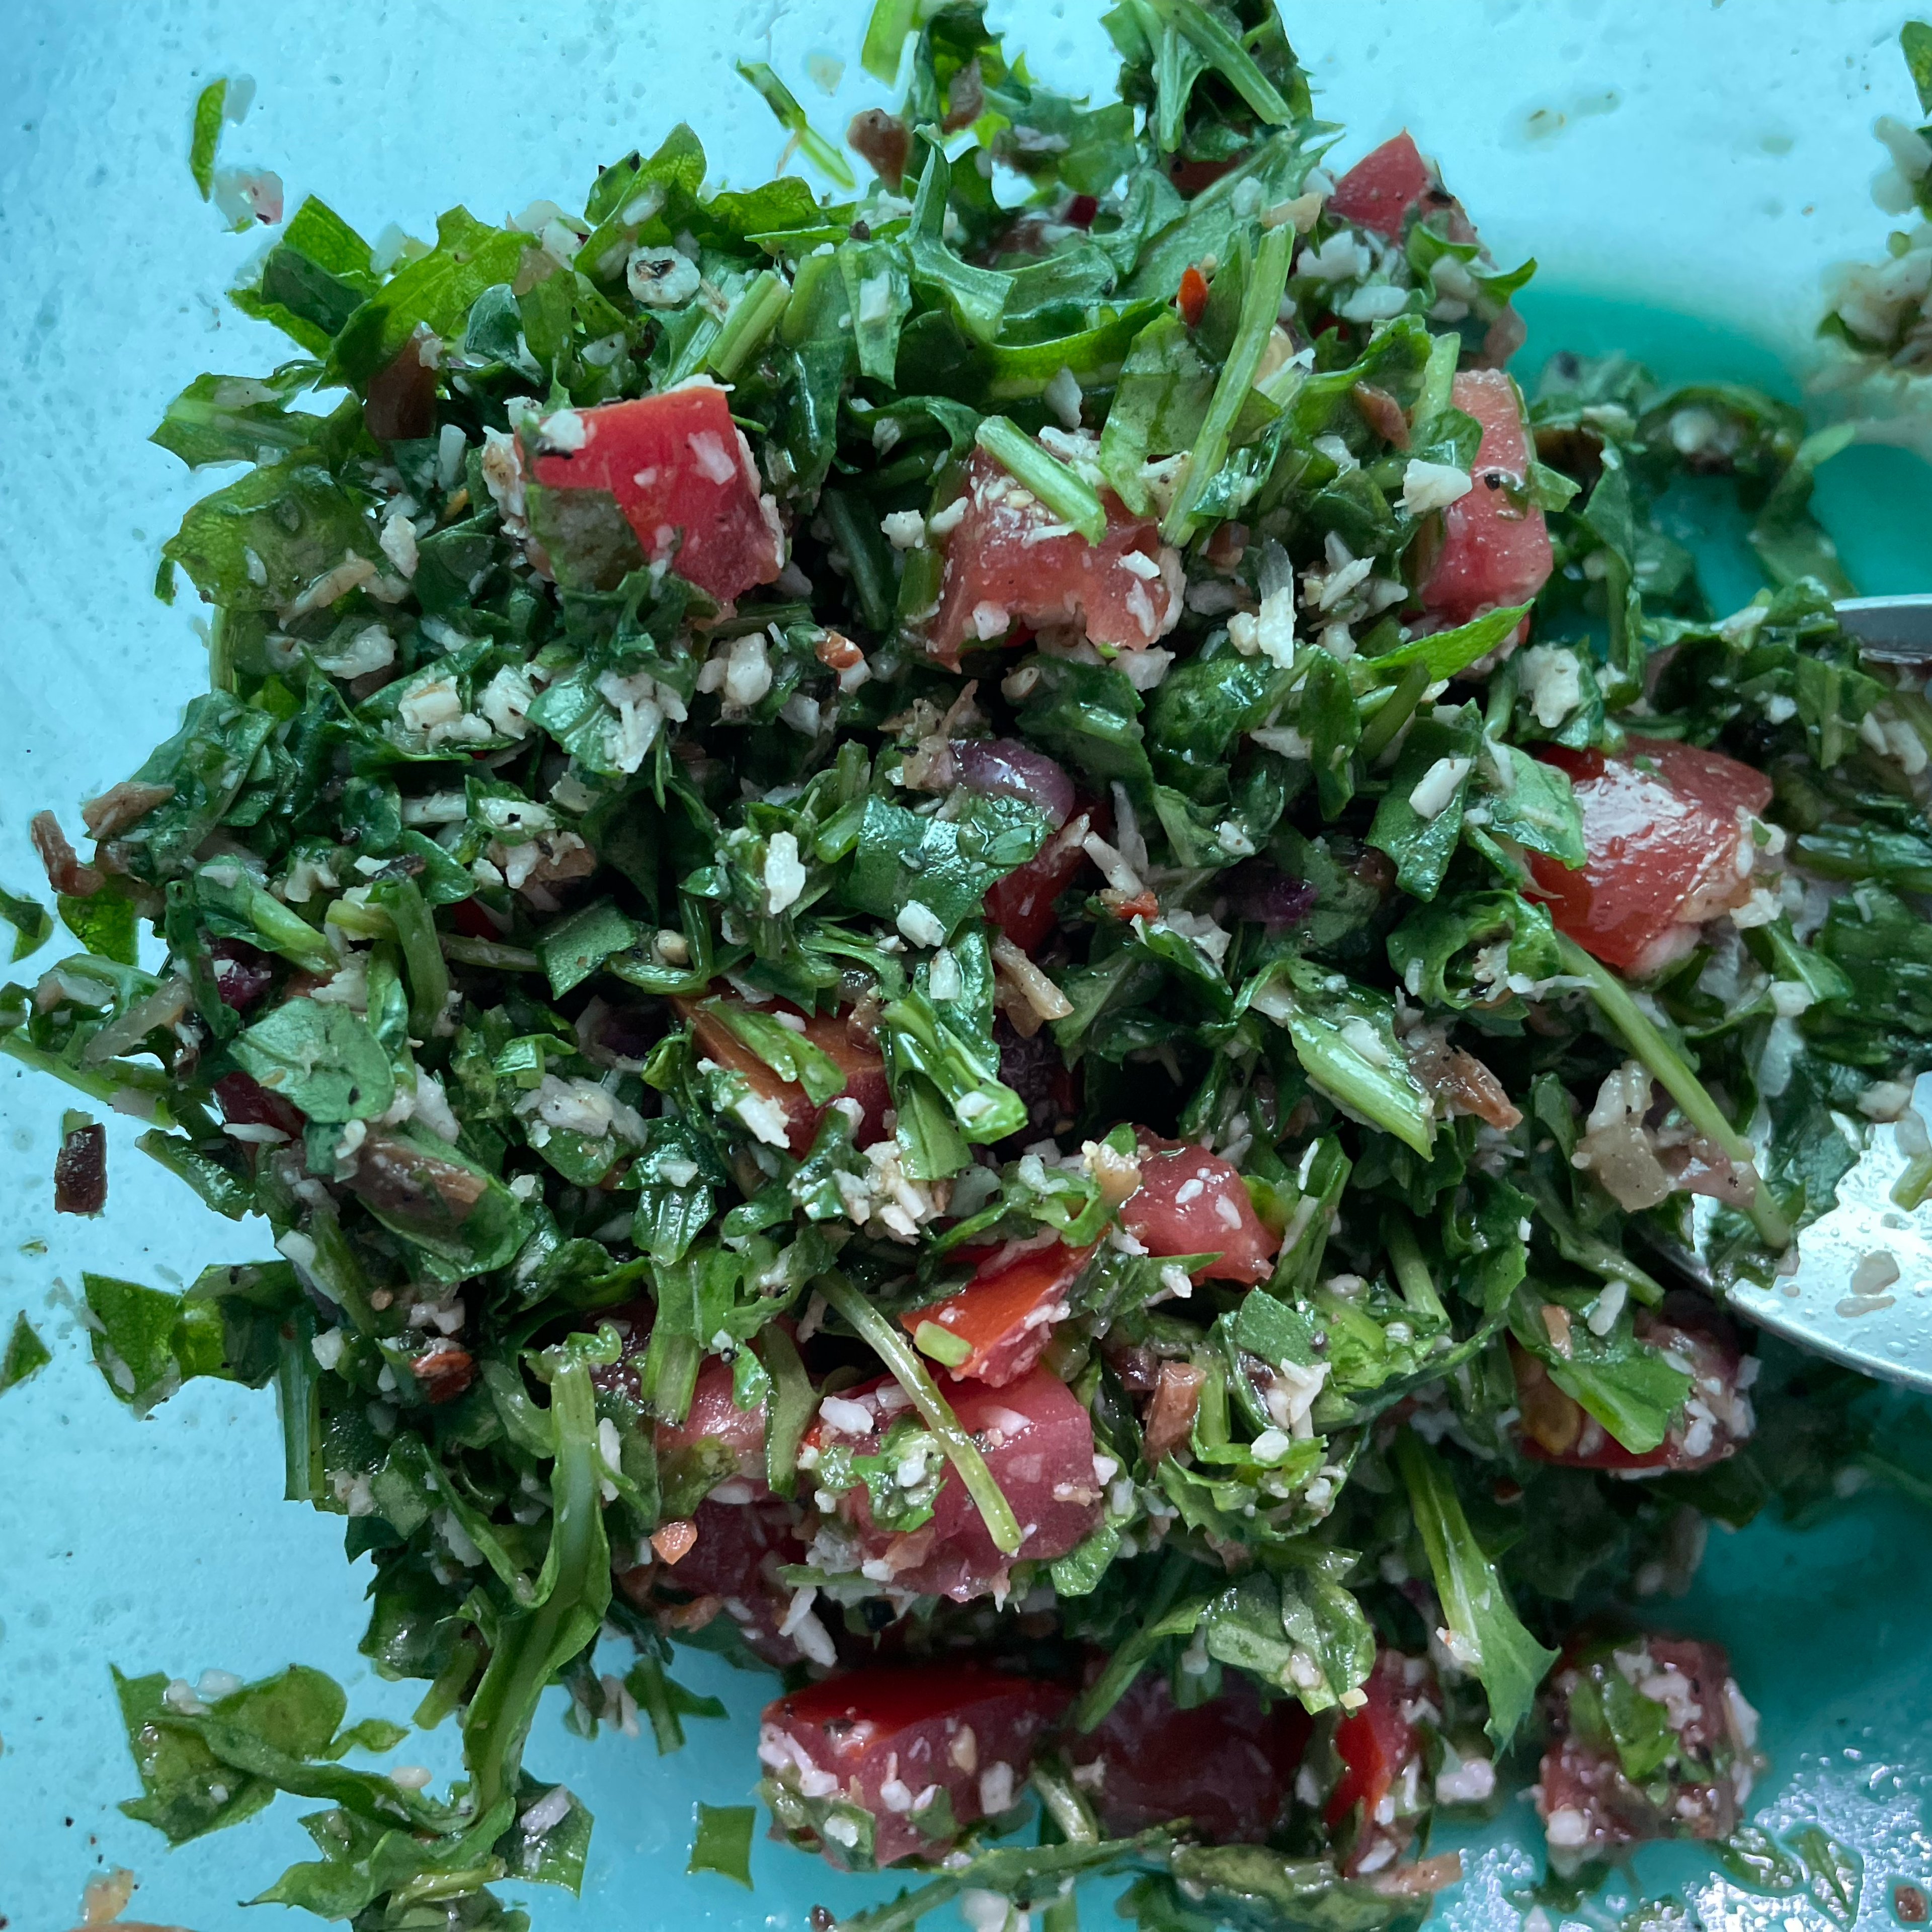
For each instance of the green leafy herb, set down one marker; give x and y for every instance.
(26, 1355)
(1494, 1646)
(209, 107)
(722, 1842)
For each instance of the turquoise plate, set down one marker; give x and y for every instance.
(1667, 161)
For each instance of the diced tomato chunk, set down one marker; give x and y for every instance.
(1226, 1765)
(243, 973)
(1666, 829)
(1692, 1788)
(1193, 1202)
(469, 918)
(1022, 903)
(895, 1738)
(1038, 1442)
(728, 1438)
(1006, 1312)
(1010, 560)
(1716, 1418)
(1380, 1749)
(245, 1101)
(1378, 191)
(862, 1065)
(731, 1569)
(1494, 551)
(683, 475)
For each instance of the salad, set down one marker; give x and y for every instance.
(994, 942)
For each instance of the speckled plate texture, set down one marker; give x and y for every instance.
(1684, 171)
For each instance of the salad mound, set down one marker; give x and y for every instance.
(997, 942)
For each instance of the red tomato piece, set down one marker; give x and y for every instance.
(679, 466)
(1193, 296)
(1589, 1808)
(1038, 1442)
(1493, 552)
(863, 1067)
(1717, 1413)
(729, 1438)
(1667, 829)
(469, 918)
(1022, 903)
(731, 1570)
(242, 973)
(1382, 189)
(1193, 1202)
(1000, 570)
(896, 1737)
(1227, 1765)
(1006, 1312)
(246, 1102)
(1380, 1745)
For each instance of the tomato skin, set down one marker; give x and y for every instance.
(864, 1067)
(1384, 186)
(991, 569)
(1193, 298)
(472, 921)
(1226, 1764)
(1493, 553)
(246, 1101)
(1557, 1429)
(1006, 1312)
(714, 1425)
(1193, 1202)
(1662, 844)
(1022, 903)
(890, 1725)
(243, 973)
(1038, 1442)
(1376, 1743)
(676, 462)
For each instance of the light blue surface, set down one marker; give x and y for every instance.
(1571, 128)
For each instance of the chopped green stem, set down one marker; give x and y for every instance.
(1260, 304)
(858, 537)
(100, 1083)
(753, 316)
(526, 1654)
(445, 1693)
(361, 918)
(1395, 711)
(1065, 1803)
(780, 99)
(885, 35)
(487, 953)
(298, 1401)
(945, 1348)
(1667, 1067)
(788, 1412)
(1411, 1271)
(288, 933)
(1909, 1190)
(1438, 379)
(1125, 1665)
(902, 1361)
(1226, 55)
(1013, 1872)
(1071, 499)
(409, 912)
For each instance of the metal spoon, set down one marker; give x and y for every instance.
(1844, 1299)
